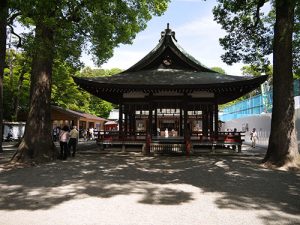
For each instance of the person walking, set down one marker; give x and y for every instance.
(253, 137)
(91, 130)
(85, 135)
(74, 135)
(63, 141)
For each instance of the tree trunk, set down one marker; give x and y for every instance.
(283, 148)
(37, 145)
(3, 22)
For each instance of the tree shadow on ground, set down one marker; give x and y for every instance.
(157, 180)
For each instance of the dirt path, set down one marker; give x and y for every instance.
(112, 189)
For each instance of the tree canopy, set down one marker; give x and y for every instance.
(250, 32)
(64, 93)
(218, 69)
(61, 30)
(253, 33)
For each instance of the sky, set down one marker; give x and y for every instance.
(196, 32)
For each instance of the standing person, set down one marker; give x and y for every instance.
(158, 131)
(253, 137)
(63, 141)
(74, 135)
(85, 134)
(91, 133)
(166, 133)
(54, 133)
(96, 134)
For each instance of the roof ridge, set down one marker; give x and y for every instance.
(159, 56)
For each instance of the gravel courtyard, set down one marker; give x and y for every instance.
(117, 189)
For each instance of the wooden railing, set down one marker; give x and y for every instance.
(232, 139)
(141, 135)
(119, 136)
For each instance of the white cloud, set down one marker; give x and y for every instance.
(124, 59)
(203, 26)
(196, 32)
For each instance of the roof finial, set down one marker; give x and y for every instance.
(168, 32)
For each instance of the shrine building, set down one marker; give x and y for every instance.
(169, 98)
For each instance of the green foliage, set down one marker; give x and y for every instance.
(98, 106)
(250, 33)
(16, 84)
(248, 40)
(97, 26)
(109, 23)
(218, 69)
(65, 92)
(102, 24)
(296, 42)
(89, 72)
(255, 71)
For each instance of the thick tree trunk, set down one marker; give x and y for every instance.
(37, 145)
(283, 148)
(3, 22)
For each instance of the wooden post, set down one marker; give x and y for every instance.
(205, 122)
(125, 120)
(211, 122)
(185, 119)
(120, 121)
(188, 145)
(216, 111)
(150, 118)
(77, 123)
(180, 122)
(133, 122)
(187, 136)
(155, 121)
(148, 143)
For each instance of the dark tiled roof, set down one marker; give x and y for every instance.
(169, 68)
(76, 113)
(167, 77)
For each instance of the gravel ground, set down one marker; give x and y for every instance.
(118, 189)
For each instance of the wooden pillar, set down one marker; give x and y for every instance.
(133, 122)
(155, 121)
(211, 121)
(150, 118)
(129, 120)
(180, 121)
(77, 124)
(185, 120)
(125, 120)
(216, 111)
(205, 122)
(187, 135)
(203, 119)
(120, 120)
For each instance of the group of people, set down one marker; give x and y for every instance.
(253, 136)
(68, 140)
(166, 133)
(88, 134)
